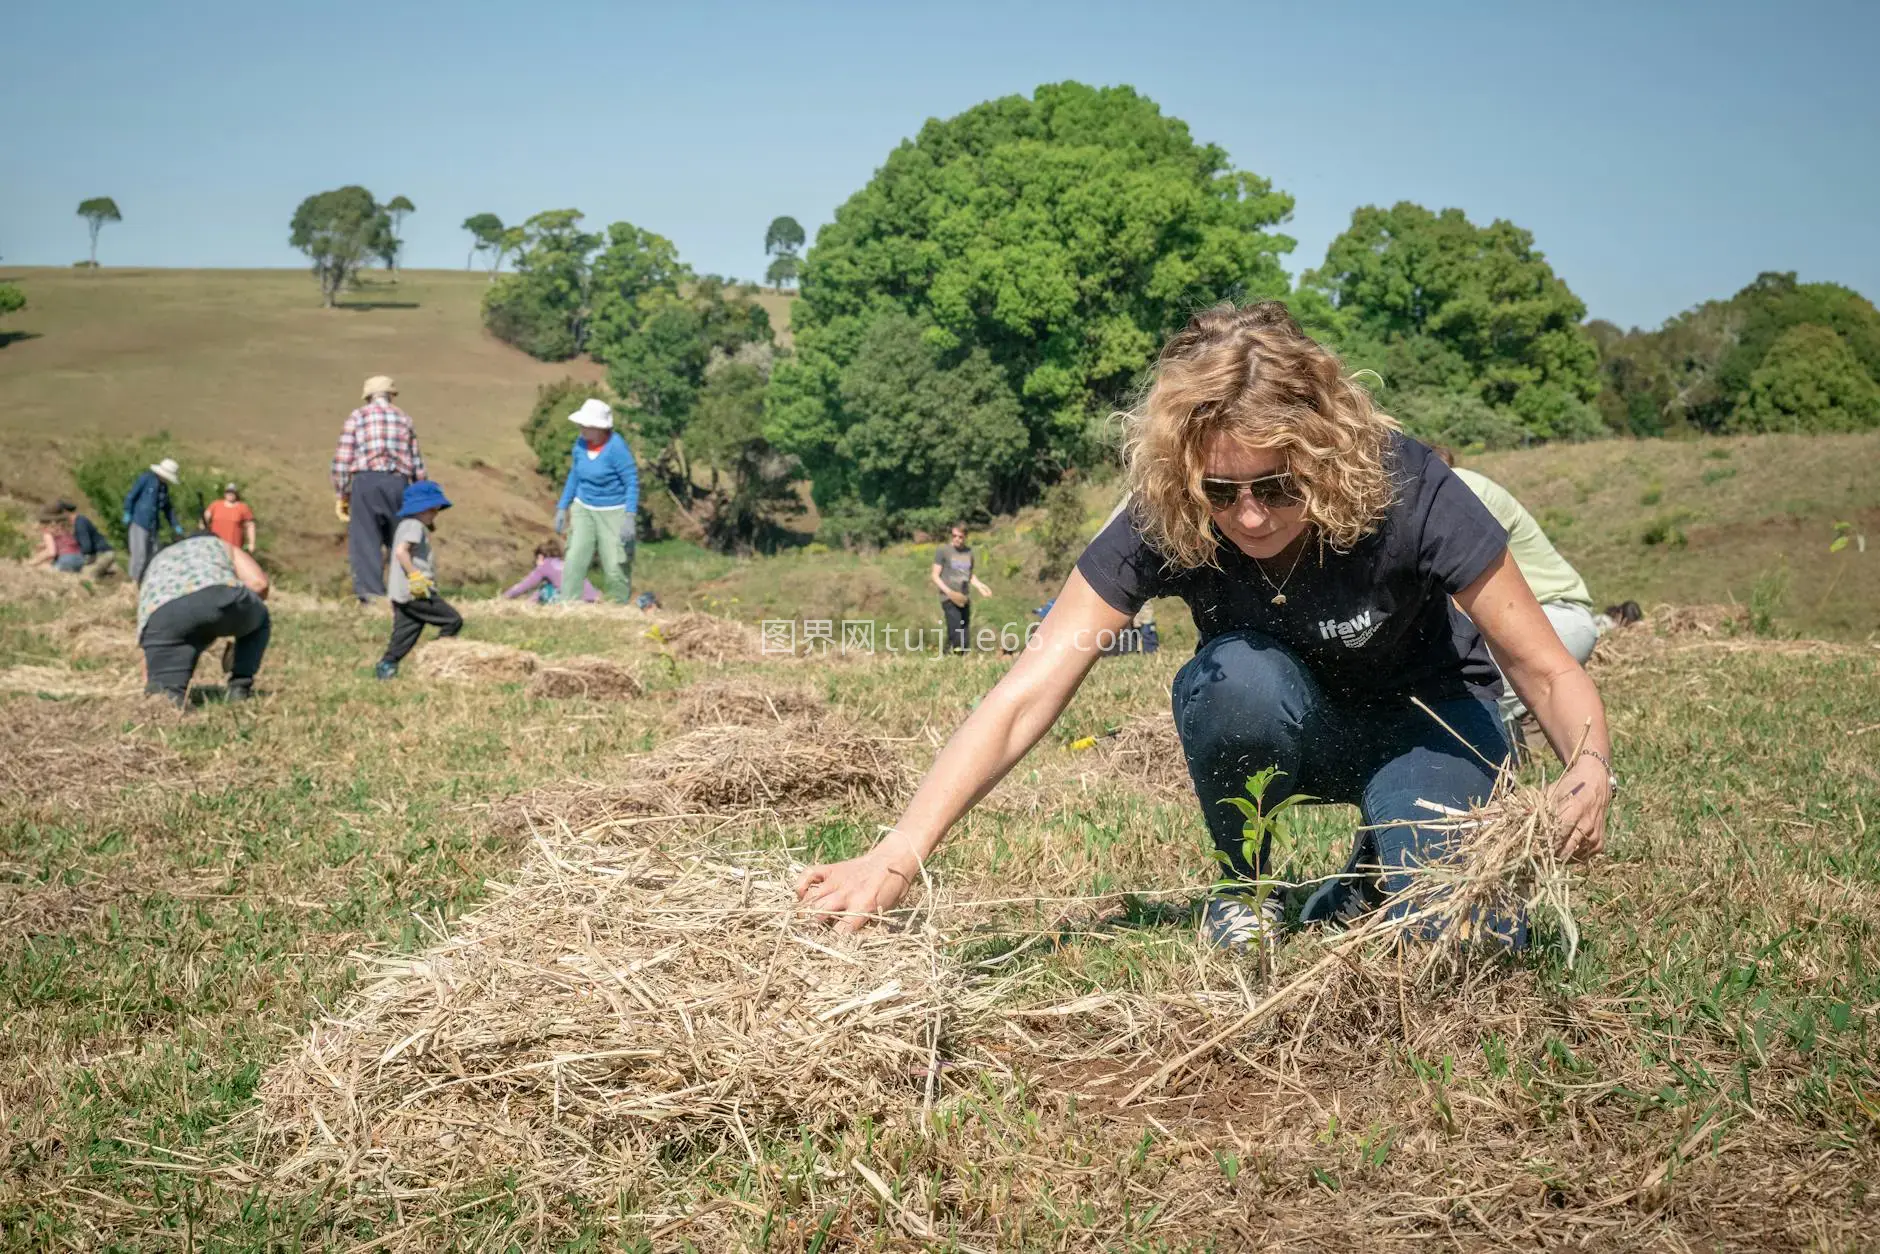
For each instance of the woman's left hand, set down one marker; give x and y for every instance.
(1581, 797)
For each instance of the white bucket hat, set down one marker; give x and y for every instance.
(166, 470)
(594, 412)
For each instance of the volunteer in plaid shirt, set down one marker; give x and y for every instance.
(377, 456)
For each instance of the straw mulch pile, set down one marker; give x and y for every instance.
(700, 637)
(63, 681)
(722, 701)
(474, 661)
(728, 771)
(595, 678)
(616, 1000)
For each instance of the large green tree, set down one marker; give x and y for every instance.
(783, 240)
(339, 231)
(1809, 381)
(933, 442)
(486, 232)
(97, 211)
(1435, 303)
(1062, 236)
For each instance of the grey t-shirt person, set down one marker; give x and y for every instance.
(418, 536)
(956, 567)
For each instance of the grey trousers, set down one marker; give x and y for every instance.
(143, 548)
(177, 632)
(376, 498)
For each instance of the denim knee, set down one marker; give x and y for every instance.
(1242, 689)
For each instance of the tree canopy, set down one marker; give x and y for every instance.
(783, 235)
(486, 234)
(1438, 305)
(1061, 237)
(11, 299)
(397, 208)
(1809, 380)
(97, 211)
(339, 231)
(1695, 371)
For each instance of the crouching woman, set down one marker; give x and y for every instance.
(196, 592)
(1337, 573)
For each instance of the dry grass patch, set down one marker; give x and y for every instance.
(616, 1003)
(77, 752)
(724, 701)
(474, 661)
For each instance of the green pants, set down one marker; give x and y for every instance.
(596, 533)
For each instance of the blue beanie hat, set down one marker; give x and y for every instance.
(421, 496)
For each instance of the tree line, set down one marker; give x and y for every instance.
(974, 315)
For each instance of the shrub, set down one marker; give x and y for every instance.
(107, 469)
(1667, 529)
(1060, 537)
(547, 429)
(1461, 420)
(526, 313)
(18, 538)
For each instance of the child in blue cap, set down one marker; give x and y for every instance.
(413, 582)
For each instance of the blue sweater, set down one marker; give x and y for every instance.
(147, 501)
(603, 482)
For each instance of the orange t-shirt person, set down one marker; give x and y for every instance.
(231, 519)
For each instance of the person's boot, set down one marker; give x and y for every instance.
(386, 670)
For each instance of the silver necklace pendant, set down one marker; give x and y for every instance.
(1279, 598)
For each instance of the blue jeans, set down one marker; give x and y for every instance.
(1243, 702)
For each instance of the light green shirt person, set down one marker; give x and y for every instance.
(1546, 572)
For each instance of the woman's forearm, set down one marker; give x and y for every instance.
(1567, 706)
(993, 740)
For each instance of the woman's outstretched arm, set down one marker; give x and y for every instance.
(992, 740)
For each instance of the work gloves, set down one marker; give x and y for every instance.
(629, 531)
(422, 585)
(561, 521)
(342, 509)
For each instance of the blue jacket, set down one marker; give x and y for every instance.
(147, 501)
(606, 481)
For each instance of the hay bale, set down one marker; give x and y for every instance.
(727, 701)
(474, 661)
(595, 678)
(614, 1000)
(693, 636)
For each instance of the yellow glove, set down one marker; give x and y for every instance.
(342, 509)
(422, 585)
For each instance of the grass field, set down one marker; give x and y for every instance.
(193, 907)
(181, 896)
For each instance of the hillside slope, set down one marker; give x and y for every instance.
(247, 372)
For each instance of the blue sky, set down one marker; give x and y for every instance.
(1661, 153)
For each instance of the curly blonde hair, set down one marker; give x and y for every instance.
(1250, 373)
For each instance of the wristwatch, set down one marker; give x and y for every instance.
(1612, 779)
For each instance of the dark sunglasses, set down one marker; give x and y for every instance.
(1270, 492)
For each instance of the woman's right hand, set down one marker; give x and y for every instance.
(852, 894)
(561, 521)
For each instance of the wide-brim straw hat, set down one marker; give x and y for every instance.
(167, 470)
(232, 487)
(594, 412)
(376, 384)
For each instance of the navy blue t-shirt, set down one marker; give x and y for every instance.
(1373, 624)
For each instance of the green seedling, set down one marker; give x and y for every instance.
(1261, 829)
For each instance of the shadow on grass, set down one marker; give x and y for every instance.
(7, 337)
(364, 305)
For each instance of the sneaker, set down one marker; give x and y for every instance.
(1230, 921)
(1343, 901)
(238, 692)
(386, 670)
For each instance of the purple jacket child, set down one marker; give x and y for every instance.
(548, 572)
